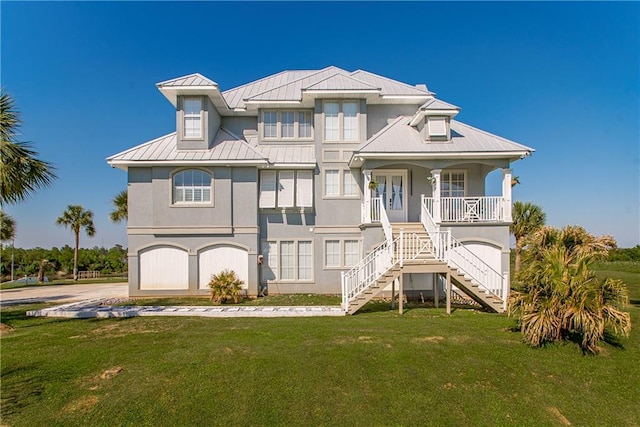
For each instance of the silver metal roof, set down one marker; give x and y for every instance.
(341, 81)
(437, 104)
(294, 154)
(225, 146)
(293, 91)
(195, 79)
(387, 85)
(400, 137)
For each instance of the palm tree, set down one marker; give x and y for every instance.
(561, 296)
(76, 218)
(21, 172)
(7, 227)
(527, 217)
(119, 212)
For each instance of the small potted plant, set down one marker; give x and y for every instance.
(373, 185)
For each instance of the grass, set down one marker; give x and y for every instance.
(375, 368)
(12, 285)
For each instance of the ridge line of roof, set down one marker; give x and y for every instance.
(259, 80)
(142, 145)
(382, 132)
(243, 141)
(348, 76)
(185, 76)
(293, 81)
(428, 92)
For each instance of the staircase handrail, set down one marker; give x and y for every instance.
(384, 220)
(450, 250)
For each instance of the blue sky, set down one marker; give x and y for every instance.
(563, 78)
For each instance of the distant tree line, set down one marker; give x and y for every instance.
(60, 261)
(625, 254)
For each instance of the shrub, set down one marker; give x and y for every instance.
(225, 286)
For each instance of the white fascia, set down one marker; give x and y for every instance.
(293, 166)
(125, 163)
(469, 155)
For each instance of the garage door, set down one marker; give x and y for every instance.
(164, 268)
(488, 253)
(216, 259)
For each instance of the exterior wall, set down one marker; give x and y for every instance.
(380, 115)
(241, 126)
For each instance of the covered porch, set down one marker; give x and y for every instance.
(455, 194)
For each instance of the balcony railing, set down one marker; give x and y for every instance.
(467, 209)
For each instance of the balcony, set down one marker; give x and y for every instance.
(468, 209)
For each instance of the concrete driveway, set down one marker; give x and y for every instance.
(63, 293)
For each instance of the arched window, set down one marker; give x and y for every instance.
(192, 186)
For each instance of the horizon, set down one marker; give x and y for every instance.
(535, 73)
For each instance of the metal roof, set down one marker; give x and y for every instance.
(293, 91)
(400, 137)
(340, 81)
(225, 146)
(294, 154)
(387, 85)
(195, 79)
(437, 104)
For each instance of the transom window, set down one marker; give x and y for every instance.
(341, 183)
(287, 124)
(287, 260)
(192, 117)
(452, 184)
(191, 186)
(341, 120)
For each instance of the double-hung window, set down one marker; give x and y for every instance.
(341, 253)
(452, 184)
(340, 183)
(270, 119)
(192, 116)
(341, 121)
(286, 189)
(191, 186)
(287, 260)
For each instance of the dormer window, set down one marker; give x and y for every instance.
(437, 126)
(192, 117)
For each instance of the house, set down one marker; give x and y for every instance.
(319, 181)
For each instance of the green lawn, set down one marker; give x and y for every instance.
(12, 285)
(372, 369)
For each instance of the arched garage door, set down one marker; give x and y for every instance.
(218, 258)
(488, 253)
(164, 268)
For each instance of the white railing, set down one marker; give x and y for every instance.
(371, 210)
(448, 249)
(468, 209)
(384, 220)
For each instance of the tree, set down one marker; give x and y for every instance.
(7, 227)
(119, 212)
(76, 218)
(21, 172)
(560, 296)
(527, 217)
(225, 286)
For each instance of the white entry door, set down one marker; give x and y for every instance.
(391, 186)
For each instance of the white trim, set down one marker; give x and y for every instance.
(187, 162)
(294, 166)
(466, 154)
(341, 251)
(405, 187)
(296, 265)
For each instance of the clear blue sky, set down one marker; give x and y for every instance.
(560, 77)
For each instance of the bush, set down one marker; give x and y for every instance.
(225, 286)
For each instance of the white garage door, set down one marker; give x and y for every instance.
(164, 268)
(219, 258)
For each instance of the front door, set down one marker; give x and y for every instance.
(391, 187)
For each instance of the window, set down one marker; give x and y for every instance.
(270, 124)
(332, 183)
(287, 124)
(341, 120)
(192, 186)
(452, 184)
(192, 116)
(437, 126)
(286, 189)
(304, 124)
(287, 260)
(341, 183)
(340, 253)
(332, 253)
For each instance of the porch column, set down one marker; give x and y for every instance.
(506, 193)
(366, 217)
(437, 212)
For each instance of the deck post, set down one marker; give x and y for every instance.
(436, 285)
(437, 207)
(506, 194)
(400, 295)
(393, 294)
(448, 292)
(367, 196)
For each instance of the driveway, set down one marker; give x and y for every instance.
(63, 293)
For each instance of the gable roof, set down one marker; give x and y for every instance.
(340, 81)
(195, 79)
(437, 104)
(401, 138)
(389, 86)
(225, 148)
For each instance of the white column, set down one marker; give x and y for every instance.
(367, 196)
(506, 193)
(437, 212)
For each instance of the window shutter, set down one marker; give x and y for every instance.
(268, 189)
(285, 189)
(304, 193)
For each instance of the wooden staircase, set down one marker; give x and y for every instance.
(413, 251)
